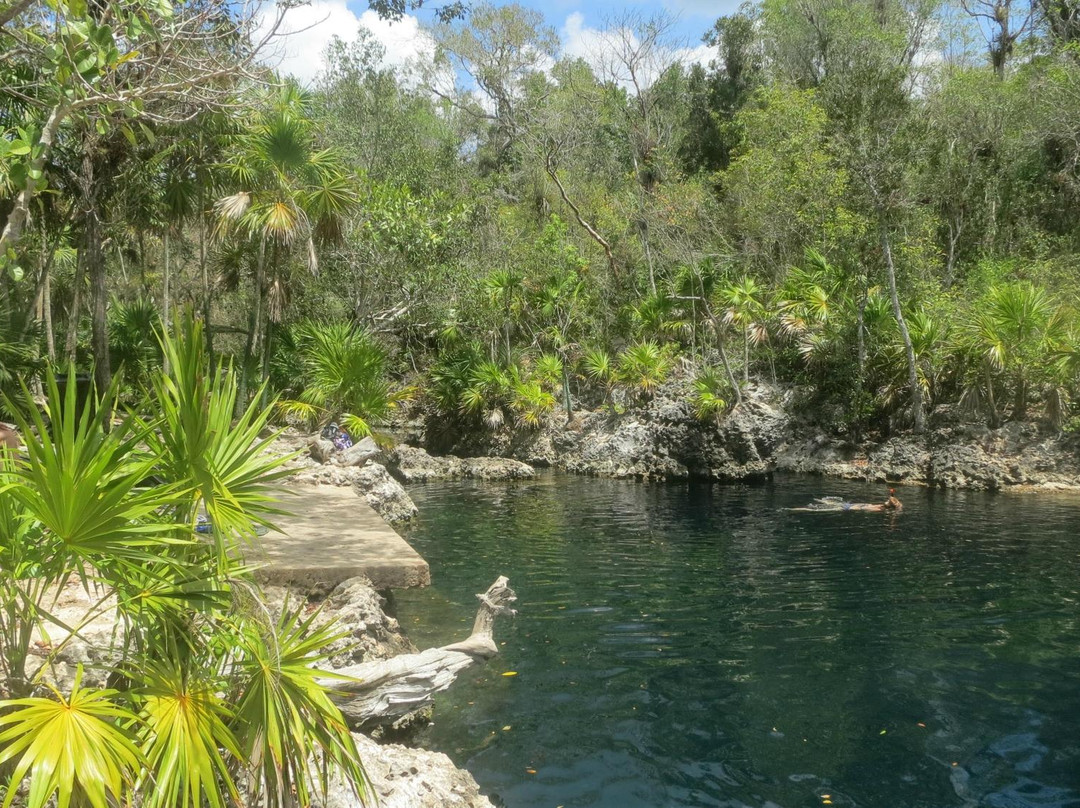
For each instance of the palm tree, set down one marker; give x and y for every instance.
(744, 307)
(204, 687)
(599, 368)
(1016, 331)
(504, 288)
(290, 196)
(342, 377)
(644, 366)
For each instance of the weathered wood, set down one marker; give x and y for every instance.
(385, 690)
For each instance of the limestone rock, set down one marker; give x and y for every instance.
(321, 450)
(372, 634)
(359, 453)
(402, 777)
(411, 464)
(384, 493)
(497, 468)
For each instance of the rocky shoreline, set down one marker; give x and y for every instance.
(662, 440)
(401, 776)
(767, 433)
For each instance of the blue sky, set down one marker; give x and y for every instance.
(694, 16)
(312, 25)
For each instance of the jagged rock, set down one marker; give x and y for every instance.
(359, 453)
(372, 634)
(411, 464)
(497, 468)
(384, 493)
(402, 777)
(322, 450)
(769, 431)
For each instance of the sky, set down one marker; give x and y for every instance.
(576, 22)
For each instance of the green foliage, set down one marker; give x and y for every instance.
(644, 367)
(710, 390)
(204, 691)
(342, 377)
(73, 747)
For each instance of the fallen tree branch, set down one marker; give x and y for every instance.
(386, 690)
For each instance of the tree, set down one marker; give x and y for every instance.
(1005, 22)
(290, 193)
(203, 690)
(500, 48)
(103, 66)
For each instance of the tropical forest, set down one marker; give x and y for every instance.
(727, 261)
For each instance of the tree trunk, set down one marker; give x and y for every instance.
(918, 414)
(566, 393)
(20, 211)
(251, 348)
(166, 296)
(72, 342)
(1020, 403)
(718, 327)
(385, 690)
(50, 333)
(746, 356)
(207, 329)
(93, 255)
(991, 402)
(99, 334)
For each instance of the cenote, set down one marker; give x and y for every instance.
(699, 646)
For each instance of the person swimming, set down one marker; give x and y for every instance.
(831, 504)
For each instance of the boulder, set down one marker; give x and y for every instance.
(411, 465)
(359, 453)
(383, 493)
(414, 465)
(321, 450)
(496, 468)
(402, 777)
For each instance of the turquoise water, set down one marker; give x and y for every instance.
(698, 646)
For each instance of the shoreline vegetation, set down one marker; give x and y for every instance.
(139, 659)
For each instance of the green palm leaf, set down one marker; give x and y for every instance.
(69, 747)
(186, 738)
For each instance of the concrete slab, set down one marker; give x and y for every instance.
(334, 535)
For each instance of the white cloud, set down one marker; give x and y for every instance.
(300, 42)
(601, 48)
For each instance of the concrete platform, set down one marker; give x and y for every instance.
(334, 535)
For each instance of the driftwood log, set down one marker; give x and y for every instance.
(385, 690)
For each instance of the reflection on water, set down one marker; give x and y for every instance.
(700, 646)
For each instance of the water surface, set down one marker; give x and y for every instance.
(699, 646)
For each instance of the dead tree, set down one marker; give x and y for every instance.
(385, 690)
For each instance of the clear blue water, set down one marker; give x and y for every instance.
(699, 646)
